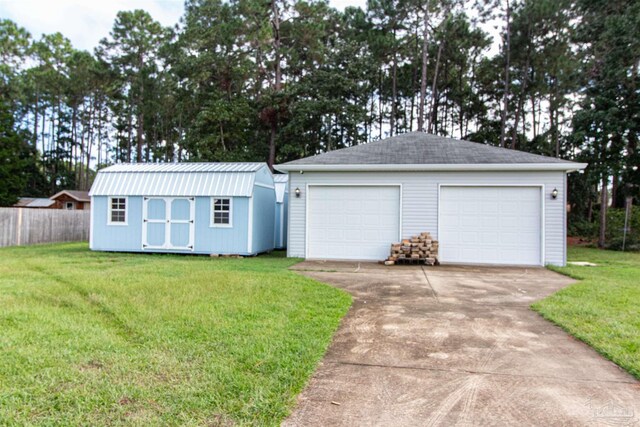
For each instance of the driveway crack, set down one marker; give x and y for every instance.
(477, 372)
(433, 291)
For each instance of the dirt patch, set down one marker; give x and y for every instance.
(580, 241)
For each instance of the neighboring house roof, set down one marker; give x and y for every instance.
(30, 202)
(80, 196)
(281, 181)
(423, 151)
(177, 179)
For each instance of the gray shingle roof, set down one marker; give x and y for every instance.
(423, 148)
(81, 196)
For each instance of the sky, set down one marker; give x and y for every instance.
(85, 22)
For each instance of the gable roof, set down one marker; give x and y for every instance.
(177, 179)
(423, 151)
(281, 183)
(80, 196)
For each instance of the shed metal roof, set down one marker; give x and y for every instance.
(281, 182)
(419, 149)
(185, 167)
(177, 179)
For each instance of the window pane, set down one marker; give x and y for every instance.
(118, 209)
(221, 204)
(221, 211)
(221, 218)
(118, 203)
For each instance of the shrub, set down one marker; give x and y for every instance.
(615, 229)
(582, 228)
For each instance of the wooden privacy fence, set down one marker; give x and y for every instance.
(20, 226)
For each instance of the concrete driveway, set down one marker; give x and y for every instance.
(457, 346)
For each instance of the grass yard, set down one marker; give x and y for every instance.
(89, 338)
(603, 309)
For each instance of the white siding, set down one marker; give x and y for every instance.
(420, 201)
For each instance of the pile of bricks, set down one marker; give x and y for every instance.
(420, 249)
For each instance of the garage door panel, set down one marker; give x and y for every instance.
(492, 225)
(352, 222)
(490, 238)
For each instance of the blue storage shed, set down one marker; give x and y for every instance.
(282, 202)
(200, 208)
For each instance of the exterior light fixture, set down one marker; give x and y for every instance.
(554, 193)
(297, 191)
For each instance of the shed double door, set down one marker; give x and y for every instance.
(168, 223)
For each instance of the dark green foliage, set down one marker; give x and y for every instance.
(581, 228)
(615, 221)
(18, 172)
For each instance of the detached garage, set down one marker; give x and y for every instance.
(486, 205)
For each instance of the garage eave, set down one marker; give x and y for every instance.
(565, 167)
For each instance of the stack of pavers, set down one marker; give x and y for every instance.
(420, 249)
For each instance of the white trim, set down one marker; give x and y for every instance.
(307, 207)
(192, 222)
(126, 211)
(542, 207)
(168, 221)
(567, 167)
(259, 184)
(91, 219)
(250, 228)
(564, 217)
(400, 213)
(282, 208)
(165, 221)
(289, 201)
(211, 202)
(543, 229)
(306, 219)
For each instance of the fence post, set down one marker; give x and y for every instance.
(627, 214)
(19, 228)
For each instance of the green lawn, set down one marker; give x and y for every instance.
(89, 338)
(603, 309)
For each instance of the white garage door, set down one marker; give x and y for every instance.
(352, 222)
(490, 225)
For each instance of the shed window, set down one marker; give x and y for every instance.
(221, 212)
(69, 206)
(118, 210)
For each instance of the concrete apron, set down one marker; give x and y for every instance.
(456, 345)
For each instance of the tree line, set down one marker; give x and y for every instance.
(250, 80)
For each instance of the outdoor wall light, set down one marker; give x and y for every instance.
(297, 191)
(554, 193)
